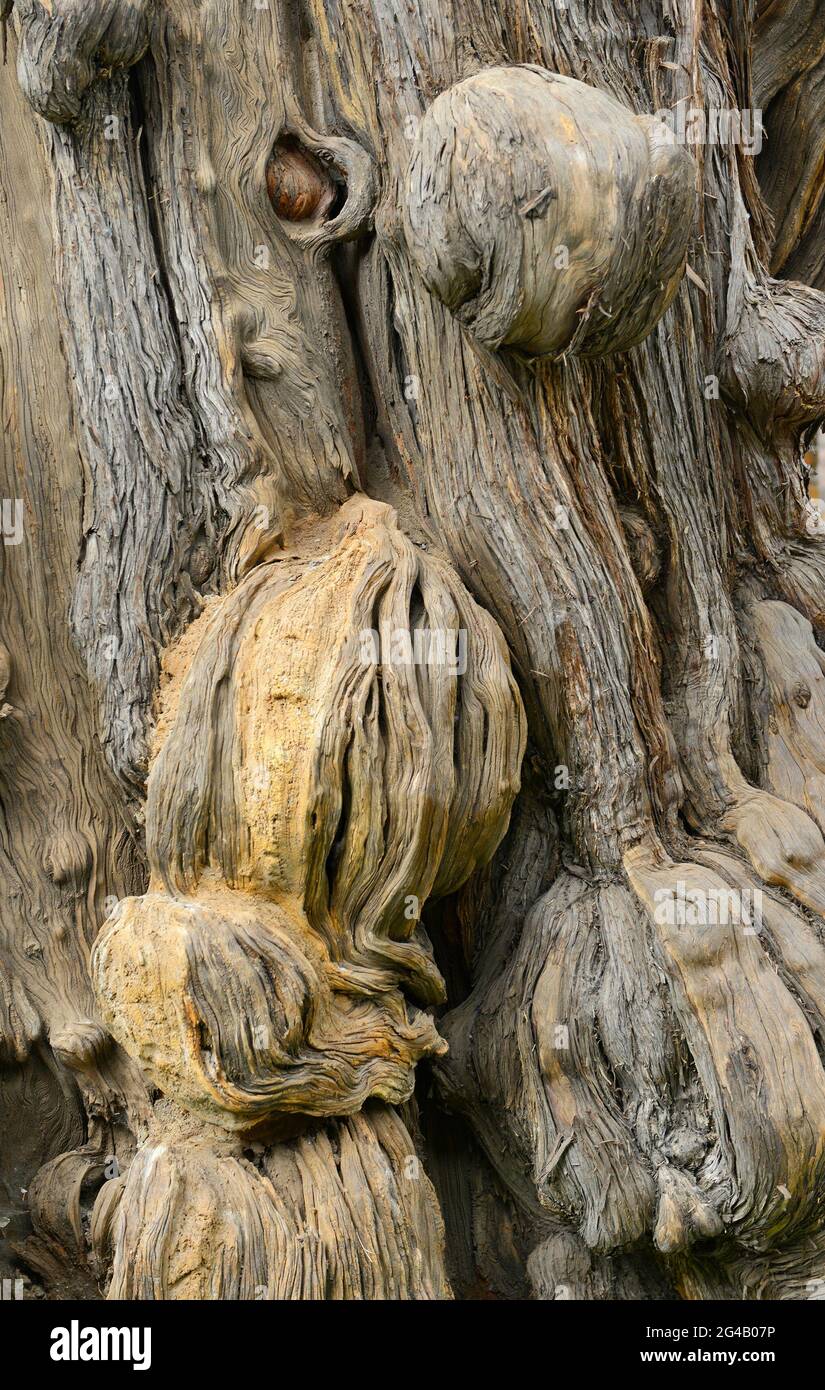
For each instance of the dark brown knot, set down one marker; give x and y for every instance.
(298, 185)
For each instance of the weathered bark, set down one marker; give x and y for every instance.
(418, 624)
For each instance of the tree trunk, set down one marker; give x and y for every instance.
(412, 615)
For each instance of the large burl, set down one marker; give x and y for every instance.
(326, 765)
(547, 216)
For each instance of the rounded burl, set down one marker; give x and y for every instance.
(547, 216)
(341, 741)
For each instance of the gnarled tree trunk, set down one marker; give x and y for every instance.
(412, 724)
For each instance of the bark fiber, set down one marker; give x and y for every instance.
(412, 617)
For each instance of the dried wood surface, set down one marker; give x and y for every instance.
(330, 327)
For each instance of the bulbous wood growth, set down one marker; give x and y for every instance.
(262, 973)
(412, 615)
(576, 241)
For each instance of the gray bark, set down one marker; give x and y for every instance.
(326, 319)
